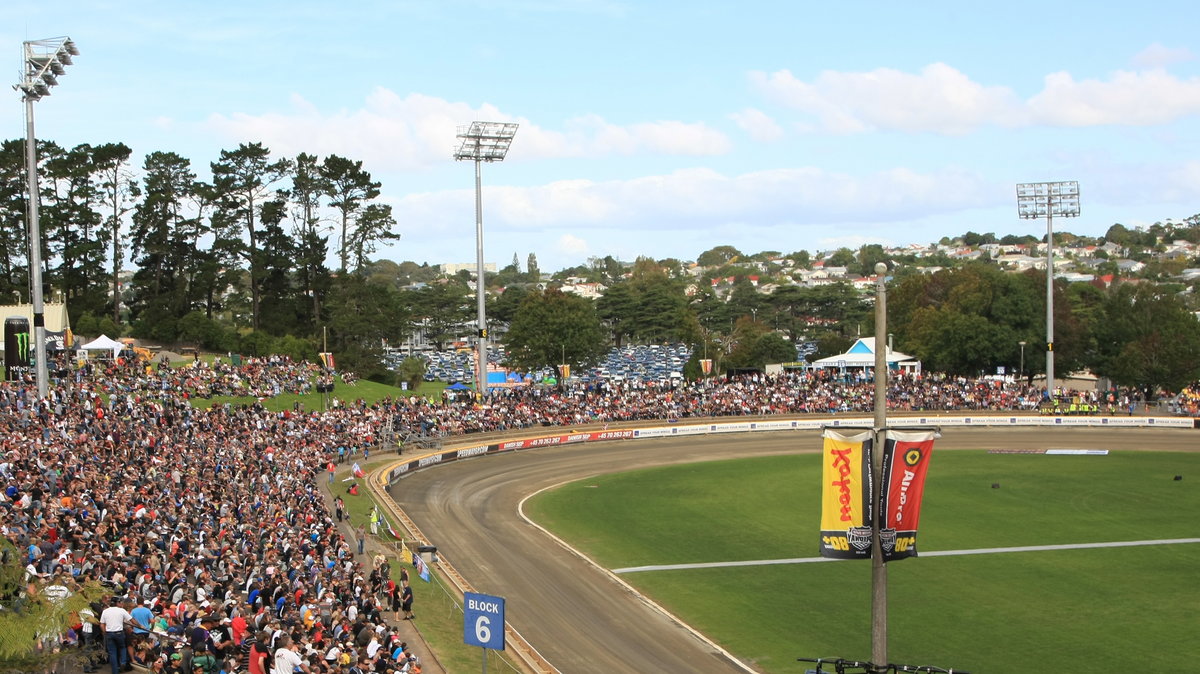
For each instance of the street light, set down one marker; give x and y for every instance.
(1048, 199)
(482, 141)
(45, 60)
(1021, 371)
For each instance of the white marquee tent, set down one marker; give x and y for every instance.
(862, 354)
(103, 343)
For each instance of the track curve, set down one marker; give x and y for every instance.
(580, 617)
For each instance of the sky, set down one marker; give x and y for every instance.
(658, 129)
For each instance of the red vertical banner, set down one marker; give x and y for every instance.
(846, 501)
(905, 464)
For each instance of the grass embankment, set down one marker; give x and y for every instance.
(1073, 610)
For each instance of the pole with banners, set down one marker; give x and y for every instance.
(872, 484)
(878, 569)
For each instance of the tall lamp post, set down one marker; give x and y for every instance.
(45, 61)
(482, 141)
(1048, 199)
(1021, 370)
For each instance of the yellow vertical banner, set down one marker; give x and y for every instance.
(846, 503)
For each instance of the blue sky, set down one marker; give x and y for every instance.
(657, 128)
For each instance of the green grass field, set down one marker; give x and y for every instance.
(1087, 610)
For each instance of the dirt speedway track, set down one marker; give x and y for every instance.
(580, 617)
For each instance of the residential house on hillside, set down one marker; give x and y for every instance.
(591, 291)
(1019, 262)
(1129, 266)
(1114, 249)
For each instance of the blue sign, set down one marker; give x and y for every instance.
(483, 621)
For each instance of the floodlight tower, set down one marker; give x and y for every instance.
(45, 61)
(1048, 199)
(482, 141)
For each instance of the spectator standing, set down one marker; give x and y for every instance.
(114, 619)
(406, 601)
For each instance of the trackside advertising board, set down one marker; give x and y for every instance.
(846, 502)
(767, 424)
(905, 463)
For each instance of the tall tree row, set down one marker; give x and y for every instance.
(246, 251)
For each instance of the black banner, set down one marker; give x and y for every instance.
(18, 345)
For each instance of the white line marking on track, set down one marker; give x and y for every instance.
(934, 553)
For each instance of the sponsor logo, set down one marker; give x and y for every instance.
(472, 451)
(836, 542)
(887, 540)
(516, 444)
(578, 437)
(913, 456)
(860, 538)
(841, 462)
(429, 460)
(904, 485)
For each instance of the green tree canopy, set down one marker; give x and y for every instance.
(551, 326)
(1148, 339)
(718, 257)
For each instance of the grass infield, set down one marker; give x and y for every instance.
(1110, 609)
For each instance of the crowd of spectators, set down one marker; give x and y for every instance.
(208, 520)
(1188, 400)
(793, 392)
(211, 519)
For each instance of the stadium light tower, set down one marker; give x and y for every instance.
(1048, 199)
(482, 141)
(45, 61)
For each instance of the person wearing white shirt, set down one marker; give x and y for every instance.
(113, 621)
(287, 660)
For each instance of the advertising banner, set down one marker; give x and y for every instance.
(17, 345)
(905, 463)
(846, 501)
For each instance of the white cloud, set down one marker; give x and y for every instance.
(851, 241)
(940, 99)
(943, 100)
(687, 199)
(758, 124)
(572, 246)
(390, 132)
(1159, 56)
(1127, 98)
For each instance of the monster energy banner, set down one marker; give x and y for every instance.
(905, 463)
(846, 499)
(17, 345)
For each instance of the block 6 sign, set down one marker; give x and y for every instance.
(483, 621)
